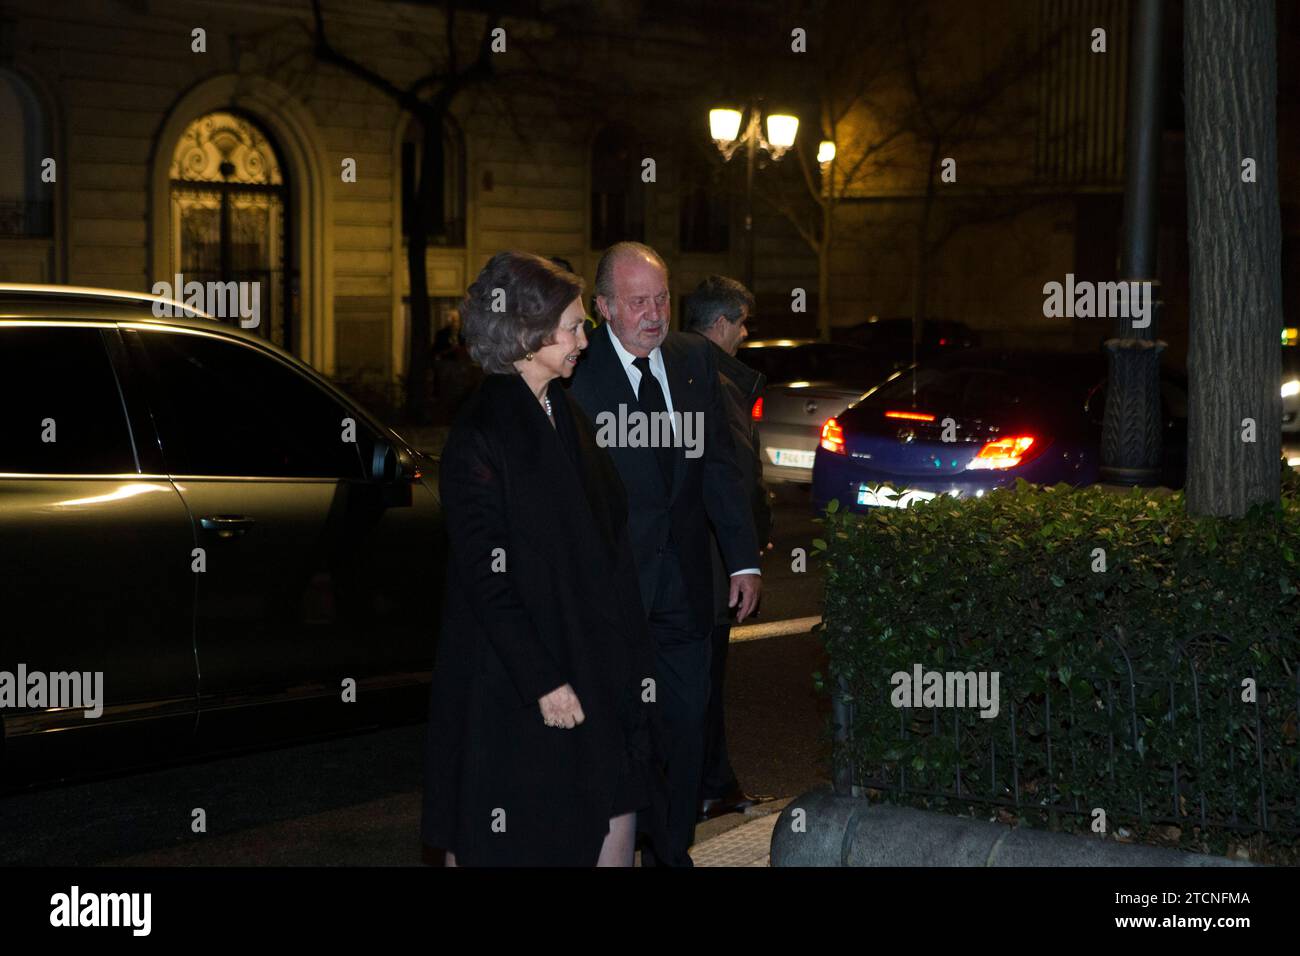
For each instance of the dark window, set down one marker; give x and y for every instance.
(705, 213)
(224, 408)
(445, 209)
(617, 191)
(57, 382)
(25, 207)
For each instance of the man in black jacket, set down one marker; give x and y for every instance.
(718, 310)
(679, 481)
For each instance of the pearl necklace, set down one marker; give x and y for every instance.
(547, 402)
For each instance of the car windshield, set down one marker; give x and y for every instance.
(814, 363)
(968, 390)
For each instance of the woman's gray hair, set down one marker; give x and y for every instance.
(513, 308)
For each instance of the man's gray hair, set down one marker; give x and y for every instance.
(716, 295)
(619, 251)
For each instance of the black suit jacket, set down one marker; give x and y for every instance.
(741, 387)
(707, 490)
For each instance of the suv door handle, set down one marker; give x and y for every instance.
(226, 526)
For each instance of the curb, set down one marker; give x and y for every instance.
(821, 828)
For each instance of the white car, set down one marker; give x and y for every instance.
(808, 381)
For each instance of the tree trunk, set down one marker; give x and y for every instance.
(1234, 235)
(920, 272)
(420, 337)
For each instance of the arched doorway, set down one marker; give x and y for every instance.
(229, 219)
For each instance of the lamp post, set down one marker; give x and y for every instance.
(724, 126)
(826, 162)
(1132, 426)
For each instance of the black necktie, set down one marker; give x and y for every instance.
(651, 398)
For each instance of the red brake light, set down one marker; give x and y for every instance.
(911, 416)
(1005, 452)
(757, 411)
(833, 436)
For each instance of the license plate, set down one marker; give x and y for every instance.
(792, 458)
(885, 497)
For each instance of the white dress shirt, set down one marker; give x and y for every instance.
(661, 375)
(634, 374)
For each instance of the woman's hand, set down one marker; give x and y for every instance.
(560, 708)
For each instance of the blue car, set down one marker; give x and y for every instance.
(976, 420)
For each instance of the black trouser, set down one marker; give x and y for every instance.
(682, 687)
(719, 779)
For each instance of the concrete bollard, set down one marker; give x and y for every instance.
(823, 829)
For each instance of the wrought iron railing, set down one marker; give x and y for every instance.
(1179, 746)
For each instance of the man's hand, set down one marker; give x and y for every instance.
(560, 708)
(745, 589)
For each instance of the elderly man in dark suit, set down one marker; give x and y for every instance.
(718, 310)
(676, 489)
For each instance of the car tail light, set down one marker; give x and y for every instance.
(911, 416)
(833, 436)
(757, 411)
(1007, 452)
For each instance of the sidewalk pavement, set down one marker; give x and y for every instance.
(738, 839)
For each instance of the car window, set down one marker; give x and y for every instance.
(815, 362)
(949, 389)
(60, 408)
(224, 408)
(977, 391)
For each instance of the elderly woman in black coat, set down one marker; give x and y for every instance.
(541, 736)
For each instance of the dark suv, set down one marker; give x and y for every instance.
(241, 551)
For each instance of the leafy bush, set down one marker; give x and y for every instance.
(1121, 689)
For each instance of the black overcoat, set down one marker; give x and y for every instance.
(541, 591)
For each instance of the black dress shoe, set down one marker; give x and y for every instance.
(736, 801)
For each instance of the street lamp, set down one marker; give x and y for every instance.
(724, 127)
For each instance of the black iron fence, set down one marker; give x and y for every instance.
(1185, 752)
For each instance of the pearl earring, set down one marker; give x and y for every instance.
(528, 356)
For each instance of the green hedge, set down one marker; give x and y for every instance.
(1006, 583)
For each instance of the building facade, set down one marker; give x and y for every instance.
(153, 139)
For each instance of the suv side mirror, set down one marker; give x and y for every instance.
(407, 467)
(393, 464)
